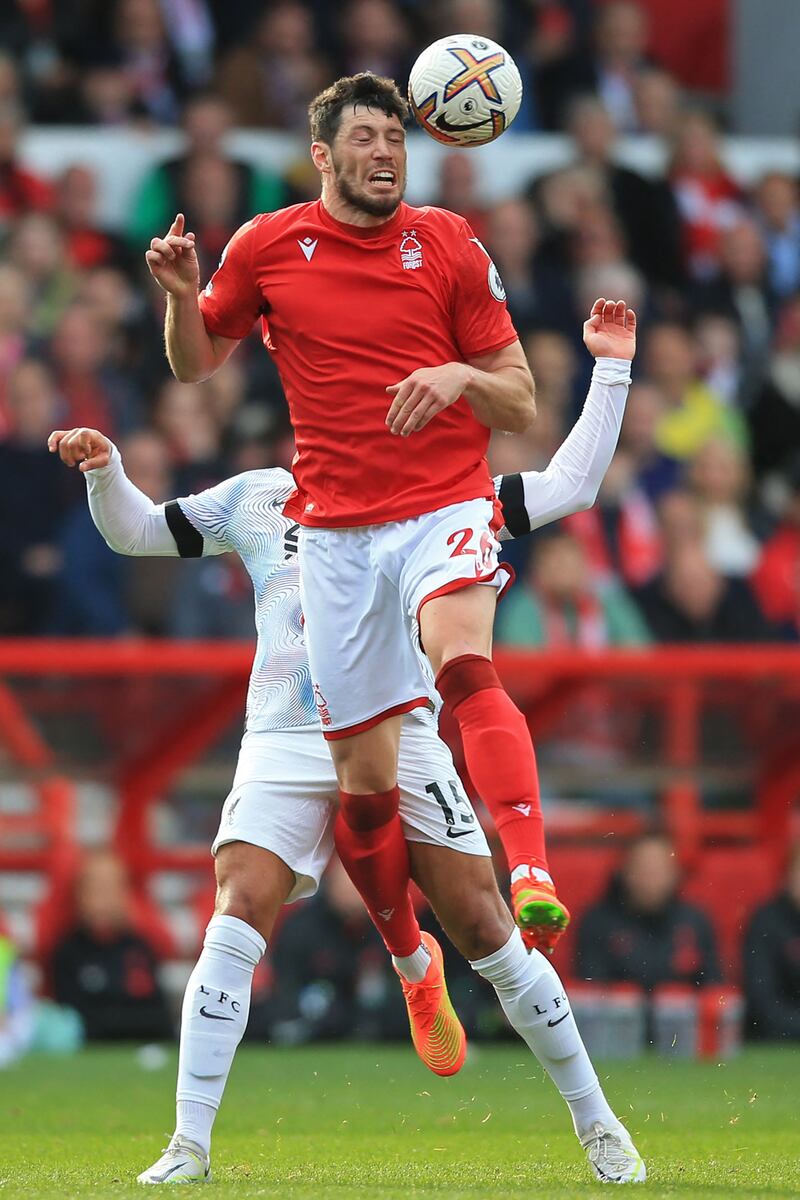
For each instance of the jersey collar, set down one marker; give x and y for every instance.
(364, 232)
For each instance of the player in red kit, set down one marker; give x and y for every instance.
(389, 328)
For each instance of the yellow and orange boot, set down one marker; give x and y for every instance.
(540, 915)
(438, 1035)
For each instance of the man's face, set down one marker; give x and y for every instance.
(368, 161)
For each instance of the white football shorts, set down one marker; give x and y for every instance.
(284, 798)
(362, 590)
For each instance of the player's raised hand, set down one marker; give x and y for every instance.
(610, 331)
(424, 393)
(173, 260)
(86, 449)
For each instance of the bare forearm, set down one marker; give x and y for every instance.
(502, 399)
(191, 349)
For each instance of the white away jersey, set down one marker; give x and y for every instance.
(245, 514)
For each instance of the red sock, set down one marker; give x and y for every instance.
(373, 850)
(499, 755)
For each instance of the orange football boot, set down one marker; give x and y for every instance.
(438, 1035)
(540, 915)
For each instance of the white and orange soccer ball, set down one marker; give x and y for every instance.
(465, 90)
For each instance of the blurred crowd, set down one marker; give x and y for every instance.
(696, 535)
(328, 977)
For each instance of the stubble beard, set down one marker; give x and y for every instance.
(374, 206)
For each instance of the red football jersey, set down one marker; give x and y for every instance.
(346, 311)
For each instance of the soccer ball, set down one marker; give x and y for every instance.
(465, 90)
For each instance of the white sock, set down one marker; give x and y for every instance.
(537, 873)
(414, 967)
(533, 998)
(195, 1121)
(216, 1006)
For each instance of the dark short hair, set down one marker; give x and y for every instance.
(373, 91)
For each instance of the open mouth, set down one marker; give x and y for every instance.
(383, 179)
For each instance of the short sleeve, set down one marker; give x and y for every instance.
(481, 319)
(232, 302)
(210, 512)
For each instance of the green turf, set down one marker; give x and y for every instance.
(371, 1122)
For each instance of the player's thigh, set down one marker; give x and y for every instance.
(282, 803)
(463, 893)
(363, 666)
(459, 622)
(367, 761)
(442, 557)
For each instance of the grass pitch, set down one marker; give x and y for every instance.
(341, 1122)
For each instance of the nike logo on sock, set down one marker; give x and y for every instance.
(214, 1016)
(558, 1022)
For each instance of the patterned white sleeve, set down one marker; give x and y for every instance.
(241, 513)
(572, 478)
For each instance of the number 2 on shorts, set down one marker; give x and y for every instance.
(464, 538)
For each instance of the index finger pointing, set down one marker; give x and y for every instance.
(177, 224)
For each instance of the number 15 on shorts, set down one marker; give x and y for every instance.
(458, 815)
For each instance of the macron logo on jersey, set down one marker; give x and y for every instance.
(308, 245)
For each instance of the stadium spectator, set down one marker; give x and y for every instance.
(778, 214)
(172, 186)
(38, 248)
(87, 243)
(708, 199)
(333, 978)
(14, 309)
(653, 472)
(31, 489)
(645, 210)
(720, 359)
(145, 55)
(538, 296)
(270, 81)
(560, 606)
(101, 967)
(691, 601)
(619, 533)
(642, 932)
(373, 36)
(774, 415)
(610, 68)
(459, 191)
(98, 594)
(720, 478)
(771, 962)
(21, 190)
(95, 393)
(777, 577)
(658, 103)
(739, 288)
(186, 421)
(694, 413)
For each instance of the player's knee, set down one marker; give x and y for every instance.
(484, 927)
(462, 676)
(249, 902)
(249, 890)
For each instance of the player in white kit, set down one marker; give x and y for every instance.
(275, 835)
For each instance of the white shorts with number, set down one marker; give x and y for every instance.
(362, 590)
(284, 798)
